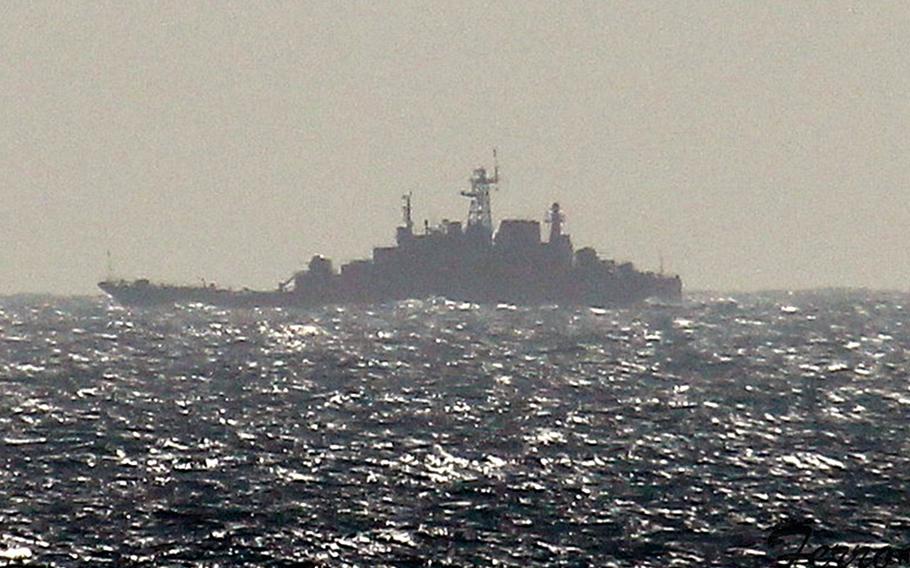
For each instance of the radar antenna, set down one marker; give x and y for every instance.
(480, 213)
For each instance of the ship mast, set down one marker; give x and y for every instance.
(555, 219)
(480, 213)
(406, 212)
(405, 233)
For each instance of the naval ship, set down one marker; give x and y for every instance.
(467, 262)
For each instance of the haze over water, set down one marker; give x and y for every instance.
(753, 145)
(450, 434)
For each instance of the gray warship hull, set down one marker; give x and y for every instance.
(609, 292)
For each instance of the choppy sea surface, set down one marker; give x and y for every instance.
(435, 433)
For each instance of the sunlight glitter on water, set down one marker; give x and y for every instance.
(437, 430)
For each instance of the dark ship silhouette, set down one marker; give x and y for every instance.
(466, 263)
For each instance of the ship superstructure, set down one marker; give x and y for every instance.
(467, 262)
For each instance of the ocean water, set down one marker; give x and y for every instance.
(434, 433)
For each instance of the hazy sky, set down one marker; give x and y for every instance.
(753, 144)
